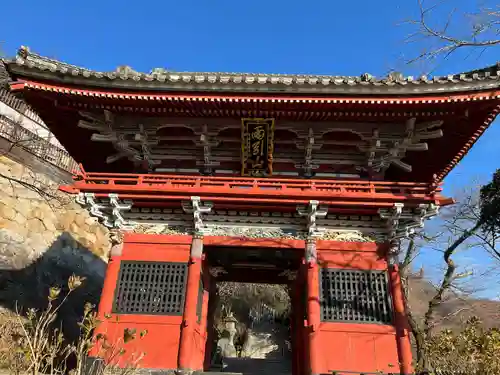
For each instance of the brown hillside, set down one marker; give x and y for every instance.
(455, 309)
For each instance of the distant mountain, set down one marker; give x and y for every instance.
(455, 309)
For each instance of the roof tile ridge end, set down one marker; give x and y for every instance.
(25, 54)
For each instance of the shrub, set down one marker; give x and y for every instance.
(472, 351)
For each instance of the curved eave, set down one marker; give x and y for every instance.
(256, 84)
(234, 97)
(465, 149)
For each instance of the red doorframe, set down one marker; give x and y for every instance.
(299, 347)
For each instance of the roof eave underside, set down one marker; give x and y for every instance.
(74, 140)
(289, 85)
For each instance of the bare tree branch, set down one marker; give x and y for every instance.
(484, 32)
(448, 276)
(409, 255)
(416, 329)
(462, 227)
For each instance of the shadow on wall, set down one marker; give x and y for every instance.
(28, 287)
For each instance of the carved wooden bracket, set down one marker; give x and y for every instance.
(196, 208)
(309, 145)
(110, 213)
(207, 143)
(312, 212)
(402, 223)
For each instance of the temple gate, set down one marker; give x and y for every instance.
(308, 181)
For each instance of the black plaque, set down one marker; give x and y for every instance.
(257, 146)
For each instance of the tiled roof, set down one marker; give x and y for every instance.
(29, 64)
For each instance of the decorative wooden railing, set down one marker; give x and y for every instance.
(19, 136)
(255, 190)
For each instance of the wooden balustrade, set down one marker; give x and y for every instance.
(263, 190)
(19, 136)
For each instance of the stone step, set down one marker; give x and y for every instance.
(252, 366)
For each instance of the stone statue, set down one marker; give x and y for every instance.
(226, 342)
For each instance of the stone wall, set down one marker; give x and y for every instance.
(33, 214)
(44, 238)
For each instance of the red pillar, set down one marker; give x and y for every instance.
(204, 313)
(206, 294)
(313, 307)
(210, 322)
(401, 322)
(297, 326)
(293, 328)
(108, 293)
(186, 359)
(108, 289)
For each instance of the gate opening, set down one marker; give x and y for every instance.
(251, 309)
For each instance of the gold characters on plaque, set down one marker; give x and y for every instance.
(257, 146)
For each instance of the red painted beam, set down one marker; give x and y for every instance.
(278, 200)
(251, 194)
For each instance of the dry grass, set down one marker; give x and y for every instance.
(10, 359)
(31, 344)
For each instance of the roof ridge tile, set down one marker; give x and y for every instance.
(36, 61)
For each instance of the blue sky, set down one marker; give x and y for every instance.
(273, 36)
